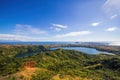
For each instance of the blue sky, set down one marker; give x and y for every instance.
(59, 20)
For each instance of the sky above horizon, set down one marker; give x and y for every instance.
(59, 20)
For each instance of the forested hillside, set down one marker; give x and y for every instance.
(56, 65)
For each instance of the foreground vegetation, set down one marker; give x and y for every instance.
(56, 65)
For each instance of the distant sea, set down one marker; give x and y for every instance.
(37, 43)
(116, 43)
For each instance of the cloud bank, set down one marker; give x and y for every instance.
(112, 29)
(27, 30)
(112, 7)
(58, 27)
(73, 34)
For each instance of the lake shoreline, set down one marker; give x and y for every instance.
(83, 49)
(105, 48)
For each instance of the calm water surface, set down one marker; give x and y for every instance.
(82, 49)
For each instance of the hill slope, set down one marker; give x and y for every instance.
(60, 65)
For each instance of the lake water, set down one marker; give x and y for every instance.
(83, 49)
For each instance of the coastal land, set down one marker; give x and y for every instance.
(38, 62)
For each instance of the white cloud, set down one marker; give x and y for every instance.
(23, 33)
(95, 24)
(112, 29)
(58, 27)
(14, 37)
(73, 34)
(27, 29)
(55, 29)
(112, 7)
(113, 16)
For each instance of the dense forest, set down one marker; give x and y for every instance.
(55, 65)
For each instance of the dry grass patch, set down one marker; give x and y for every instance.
(27, 73)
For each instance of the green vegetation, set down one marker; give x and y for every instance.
(56, 65)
